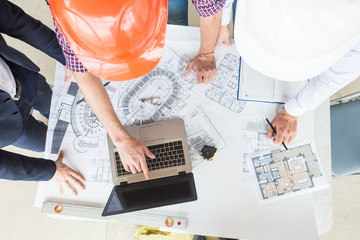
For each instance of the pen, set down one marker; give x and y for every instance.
(84, 98)
(272, 127)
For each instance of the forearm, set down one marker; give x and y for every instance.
(18, 167)
(321, 87)
(98, 99)
(209, 31)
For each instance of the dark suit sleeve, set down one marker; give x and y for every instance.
(18, 167)
(16, 23)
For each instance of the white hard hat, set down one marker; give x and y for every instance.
(295, 39)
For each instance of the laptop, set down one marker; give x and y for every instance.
(171, 180)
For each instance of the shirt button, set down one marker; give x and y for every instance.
(7, 100)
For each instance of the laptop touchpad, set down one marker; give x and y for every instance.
(151, 133)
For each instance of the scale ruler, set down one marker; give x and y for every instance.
(72, 210)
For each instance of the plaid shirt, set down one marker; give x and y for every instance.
(72, 62)
(207, 8)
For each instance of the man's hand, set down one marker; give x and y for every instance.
(205, 67)
(204, 63)
(285, 125)
(224, 36)
(65, 174)
(132, 153)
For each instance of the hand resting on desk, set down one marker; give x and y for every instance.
(64, 174)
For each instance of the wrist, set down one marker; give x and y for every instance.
(205, 54)
(121, 138)
(284, 112)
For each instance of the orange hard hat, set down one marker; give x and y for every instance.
(114, 39)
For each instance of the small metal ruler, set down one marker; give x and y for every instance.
(72, 210)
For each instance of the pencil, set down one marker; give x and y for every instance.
(272, 127)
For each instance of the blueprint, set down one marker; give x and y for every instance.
(254, 135)
(221, 93)
(164, 93)
(161, 94)
(282, 173)
(200, 131)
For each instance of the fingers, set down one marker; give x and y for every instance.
(148, 153)
(132, 169)
(278, 138)
(270, 133)
(77, 174)
(144, 164)
(145, 169)
(137, 166)
(227, 42)
(78, 182)
(211, 75)
(71, 188)
(291, 138)
(126, 167)
(189, 67)
(199, 76)
(205, 76)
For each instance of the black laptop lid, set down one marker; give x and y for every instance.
(150, 194)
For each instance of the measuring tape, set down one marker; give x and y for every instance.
(72, 210)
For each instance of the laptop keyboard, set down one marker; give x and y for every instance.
(166, 155)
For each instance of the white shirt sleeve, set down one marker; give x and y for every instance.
(7, 81)
(321, 87)
(226, 12)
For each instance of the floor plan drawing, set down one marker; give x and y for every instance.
(254, 136)
(280, 173)
(224, 88)
(200, 131)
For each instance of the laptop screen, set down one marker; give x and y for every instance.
(151, 193)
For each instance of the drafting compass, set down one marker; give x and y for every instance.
(152, 100)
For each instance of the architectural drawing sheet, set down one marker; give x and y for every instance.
(281, 173)
(254, 135)
(222, 92)
(163, 93)
(200, 131)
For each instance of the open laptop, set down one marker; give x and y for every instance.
(171, 180)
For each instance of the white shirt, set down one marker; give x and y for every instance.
(7, 81)
(321, 87)
(226, 12)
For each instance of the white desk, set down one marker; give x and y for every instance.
(225, 207)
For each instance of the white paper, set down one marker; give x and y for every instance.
(255, 86)
(280, 173)
(200, 131)
(221, 93)
(163, 93)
